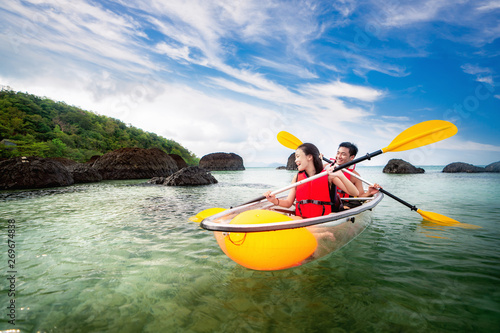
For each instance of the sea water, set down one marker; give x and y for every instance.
(121, 256)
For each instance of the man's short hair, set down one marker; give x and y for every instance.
(353, 150)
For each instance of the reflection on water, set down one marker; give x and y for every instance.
(115, 257)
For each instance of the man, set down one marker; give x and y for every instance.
(347, 152)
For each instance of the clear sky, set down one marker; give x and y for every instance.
(227, 76)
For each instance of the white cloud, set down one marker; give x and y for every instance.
(295, 70)
(488, 5)
(481, 73)
(397, 118)
(466, 145)
(476, 21)
(343, 90)
(397, 14)
(475, 69)
(177, 53)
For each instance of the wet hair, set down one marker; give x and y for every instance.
(310, 149)
(353, 150)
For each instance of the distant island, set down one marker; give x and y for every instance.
(36, 126)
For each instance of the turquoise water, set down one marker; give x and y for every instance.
(121, 257)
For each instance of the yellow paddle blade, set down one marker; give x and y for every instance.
(422, 134)
(444, 220)
(288, 140)
(206, 213)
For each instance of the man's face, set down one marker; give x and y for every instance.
(343, 156)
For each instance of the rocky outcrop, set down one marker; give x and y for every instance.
(93, 159)
(64, 161)
(290, 165)
(33, 172)
(221, 161)
(456, 167)
(179, 161)
(135, 163)
(84, 173)
(493, 167)
(398, 166)
(189, 176)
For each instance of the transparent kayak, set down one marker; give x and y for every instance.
(262, 236)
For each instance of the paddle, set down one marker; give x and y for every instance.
(416, 136)
(212, 211)
(429, 216)
(206, 213)
(292, 142)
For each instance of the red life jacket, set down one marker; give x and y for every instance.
(313, 198)
(341, 193)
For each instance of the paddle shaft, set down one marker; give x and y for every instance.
(412, 207)
(286, 188)
(357, 160)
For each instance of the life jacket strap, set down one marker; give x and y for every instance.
(316, 202)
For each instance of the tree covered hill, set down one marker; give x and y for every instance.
(35, 126)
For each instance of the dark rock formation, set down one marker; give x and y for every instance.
(462, 167)
(157, 180)
(64, 161)
(135, 163)
(397, 166)
(282, 167)
(493, 167)
(290, 165)
(93, 159)
(221, 161)
(189, 176)
(84, 173)
(179, 161)
(33, 172)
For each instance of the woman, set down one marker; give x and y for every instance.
(317, 197)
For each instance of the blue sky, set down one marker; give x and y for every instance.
(227, 76)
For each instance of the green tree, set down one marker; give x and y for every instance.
(57, 148)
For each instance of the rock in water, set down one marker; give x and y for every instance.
(84, 173)
(290, 165)
(190, 176)
(493, 167)
(135, 163)
(179, 161)
(221, 162)
(462, 167)
(33, 172)
(398, 166)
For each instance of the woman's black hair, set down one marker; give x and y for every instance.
(310, 149)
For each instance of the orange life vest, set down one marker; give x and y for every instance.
(313, 198)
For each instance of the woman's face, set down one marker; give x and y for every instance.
(302, 160)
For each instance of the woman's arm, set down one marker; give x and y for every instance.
(288, 202)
